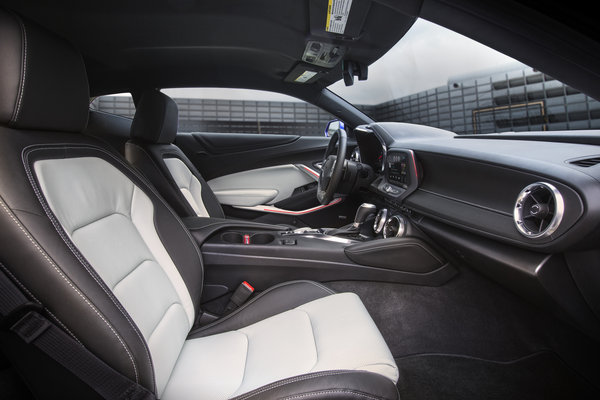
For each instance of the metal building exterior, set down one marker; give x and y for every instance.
(520, 100)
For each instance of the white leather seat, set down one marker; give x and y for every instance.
(110, 220)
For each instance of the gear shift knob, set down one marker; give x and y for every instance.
(364, 210)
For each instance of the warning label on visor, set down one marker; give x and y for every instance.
(337, 16)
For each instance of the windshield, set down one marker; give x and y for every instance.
(436, 77)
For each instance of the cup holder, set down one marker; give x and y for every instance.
(238, 238)
(261, 238)
(233, 237)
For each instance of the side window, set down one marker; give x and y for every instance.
(119, 104)
(246, 111)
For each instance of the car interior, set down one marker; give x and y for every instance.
(376, 260)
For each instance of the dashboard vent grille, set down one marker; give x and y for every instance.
(538, 210)
(587, 162)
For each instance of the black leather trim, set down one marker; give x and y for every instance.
(109, 128)
(149, 160)
(273, 301)
(37, 256)
(156, 118)
(408, 254)
(341, 384)
(43, 82)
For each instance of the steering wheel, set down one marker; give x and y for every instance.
(333, 167)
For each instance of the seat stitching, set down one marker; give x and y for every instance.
(162, 317)
(127, 167)
(18, 282)
(245, 361)
(331, 391)
(195, 206)
(25, 157)
(169, 181)
(98, 220)
(284, 382)
(66, 279)
(314, 338)
(251, 301)
(130, 272)
(24, 64)
(148, 186)
(22, 286)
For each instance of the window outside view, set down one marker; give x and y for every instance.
(432, 76)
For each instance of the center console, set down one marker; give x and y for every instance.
(265, 255)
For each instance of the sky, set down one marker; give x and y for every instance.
(425, 58)
(428, 56)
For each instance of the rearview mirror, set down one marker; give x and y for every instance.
(350, 69)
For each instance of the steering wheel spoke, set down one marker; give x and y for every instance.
(333, 167)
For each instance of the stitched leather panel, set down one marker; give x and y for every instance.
(188, 184)
(43, 82)
(331, 333)
(150, 160)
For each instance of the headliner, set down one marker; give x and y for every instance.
(138, 44)
(224, 43)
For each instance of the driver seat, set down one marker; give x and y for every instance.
(152, 152)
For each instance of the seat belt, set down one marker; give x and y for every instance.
(25, 318)
(239, 296)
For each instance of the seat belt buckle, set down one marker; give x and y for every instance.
(26, 321)
(239, 296)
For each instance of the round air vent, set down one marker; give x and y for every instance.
(395, 226)
(538, 210)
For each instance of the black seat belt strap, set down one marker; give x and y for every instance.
(26, 319)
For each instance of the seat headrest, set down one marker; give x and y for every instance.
(43, 82)
(155, 118)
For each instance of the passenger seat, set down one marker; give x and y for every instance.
(152, 152)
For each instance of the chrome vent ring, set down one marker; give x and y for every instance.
(538, 210)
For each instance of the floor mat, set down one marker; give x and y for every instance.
(473, 317)
(537, 376)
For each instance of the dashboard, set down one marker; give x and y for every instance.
(526, 193)
(521, 209)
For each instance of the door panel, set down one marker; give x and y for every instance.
(264, 177)
(219, 154)
(261, 186)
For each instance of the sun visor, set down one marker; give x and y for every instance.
(305, 73)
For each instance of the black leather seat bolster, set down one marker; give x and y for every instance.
(275, 300)
(33, 61)
(333, 385)
(42, 261)
(148, 158)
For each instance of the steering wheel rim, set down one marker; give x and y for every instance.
(333, 167)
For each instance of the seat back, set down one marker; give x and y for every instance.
(151, 150)
(81, 232)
